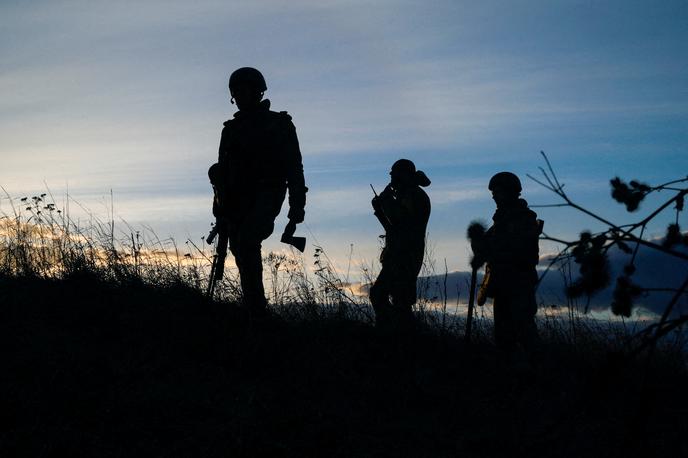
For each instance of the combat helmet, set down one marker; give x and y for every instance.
(404, 166)
(505, 180)
(247, 76)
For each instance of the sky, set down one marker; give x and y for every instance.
(130, 97)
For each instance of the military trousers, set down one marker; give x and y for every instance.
(394, 293)
(514, 319)
(246, 235)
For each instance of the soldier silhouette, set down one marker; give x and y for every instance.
(510, 248)
(403, 209)
(258, 160)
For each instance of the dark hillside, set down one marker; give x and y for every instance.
(90, 369)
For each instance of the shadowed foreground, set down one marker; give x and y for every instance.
(94, 370)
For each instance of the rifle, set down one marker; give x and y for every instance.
(218, 268)
(380, 214)
(471, 302)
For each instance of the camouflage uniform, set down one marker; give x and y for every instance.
(259, 159)
(511, 250)
(405, 215)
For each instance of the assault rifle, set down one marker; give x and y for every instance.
(219, 230)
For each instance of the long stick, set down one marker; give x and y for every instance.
(471, 303)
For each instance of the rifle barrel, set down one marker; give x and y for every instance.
(471, 304)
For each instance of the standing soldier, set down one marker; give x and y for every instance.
(259, 159)
(510, 248)
(403, 209)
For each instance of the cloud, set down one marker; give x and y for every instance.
(455, 193)
(339, 203)
(377, 82)
(655, 270)
(131, 96)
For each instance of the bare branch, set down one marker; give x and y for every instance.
(554, 175)
(665, 185)
(549, 180)
(660, 209)
(541, 183)
(548, 205)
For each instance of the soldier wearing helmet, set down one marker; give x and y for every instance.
(510, 248)
(259, 160)
(403, 209)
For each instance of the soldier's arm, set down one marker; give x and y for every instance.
(391, 208)
(218, 174)
(294, 172)
(407, 211)
(527, 242)
(223, 150)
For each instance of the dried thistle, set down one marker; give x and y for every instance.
(589, 253)
(632, 195)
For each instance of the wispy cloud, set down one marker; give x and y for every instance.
(131, 96)
(452, 194)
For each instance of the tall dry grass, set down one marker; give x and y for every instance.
(40, 240)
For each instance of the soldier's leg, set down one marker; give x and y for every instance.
(504, 332)
(256, 227)
(403, 294)
(524, 311)
(379, 297)
(248, 261)
(250, 266)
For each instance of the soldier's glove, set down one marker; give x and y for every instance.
(296, 215)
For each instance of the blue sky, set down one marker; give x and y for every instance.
(131, 96)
